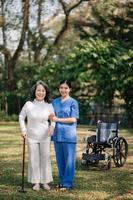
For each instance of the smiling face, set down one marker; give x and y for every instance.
(40, 93)
(64, 90)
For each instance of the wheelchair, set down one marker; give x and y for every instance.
(106, 146)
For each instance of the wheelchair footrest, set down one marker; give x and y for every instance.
(93, 157)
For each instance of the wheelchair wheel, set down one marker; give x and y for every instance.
(120, 152)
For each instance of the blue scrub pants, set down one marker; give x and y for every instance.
(66, 157)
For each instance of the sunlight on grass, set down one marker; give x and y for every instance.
(90, 183)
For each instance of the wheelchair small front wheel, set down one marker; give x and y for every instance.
(83, 162)
(120, 152)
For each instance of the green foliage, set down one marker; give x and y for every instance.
(5, 117)
(26, 75)
(124, 82)
(114, 19)
(108, 65)
(98, 68)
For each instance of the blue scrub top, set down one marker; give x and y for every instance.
(65, 132)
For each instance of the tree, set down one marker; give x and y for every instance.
(112, 21)
(109, 19)
(10, 59)
(67, 9)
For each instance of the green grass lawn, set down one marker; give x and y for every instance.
(90, 183)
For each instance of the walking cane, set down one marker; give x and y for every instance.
(23, 168)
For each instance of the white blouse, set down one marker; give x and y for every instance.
(33, 120)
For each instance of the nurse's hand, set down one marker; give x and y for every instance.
(52, 117)
(55, 119)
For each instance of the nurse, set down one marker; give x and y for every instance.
(64, 137)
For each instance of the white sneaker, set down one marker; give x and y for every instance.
(36, 187)
(46, 186)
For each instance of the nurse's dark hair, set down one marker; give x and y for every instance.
(68, 82)
(33, 90)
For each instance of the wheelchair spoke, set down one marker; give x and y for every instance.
(121, 159)
(123, 155)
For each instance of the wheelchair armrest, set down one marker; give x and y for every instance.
(94, 130)
(114, 131)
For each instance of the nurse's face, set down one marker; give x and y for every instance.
(40, 93)
(64, 90)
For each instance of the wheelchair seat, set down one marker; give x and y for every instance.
(106, 132)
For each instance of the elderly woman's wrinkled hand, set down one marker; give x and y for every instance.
(24, 134)
(50, 130)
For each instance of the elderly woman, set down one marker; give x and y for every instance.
(37, 129)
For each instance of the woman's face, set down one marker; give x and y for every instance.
(40, 93)
(64, 90)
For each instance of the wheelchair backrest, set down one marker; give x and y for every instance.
(106, 131)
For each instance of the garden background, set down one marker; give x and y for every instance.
(89, 42)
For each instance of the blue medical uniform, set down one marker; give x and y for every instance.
(65, 140)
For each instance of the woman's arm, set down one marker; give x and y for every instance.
(22, 123)
(52, 123)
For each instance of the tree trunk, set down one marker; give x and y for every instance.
(13, 61)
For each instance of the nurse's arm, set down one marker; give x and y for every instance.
(64, 120)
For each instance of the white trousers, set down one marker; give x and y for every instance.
(39, 164)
